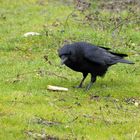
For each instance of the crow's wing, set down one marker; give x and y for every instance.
(104, 48)
(97, 55)
(117, 54)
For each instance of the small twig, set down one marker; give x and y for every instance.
(52, 73)
(46, 122)
(66, 21)
(71, 121)
(42, 136)
(122, 22)
(47, 60)
(15, 79)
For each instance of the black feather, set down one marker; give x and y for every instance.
(119, 54)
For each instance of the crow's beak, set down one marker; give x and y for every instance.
(63, 60)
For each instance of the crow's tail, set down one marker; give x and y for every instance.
(125, 61)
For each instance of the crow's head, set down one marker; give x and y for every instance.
(64, 53)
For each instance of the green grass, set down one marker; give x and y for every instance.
(108, 111)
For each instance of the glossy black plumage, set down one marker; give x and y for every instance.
(87, 58)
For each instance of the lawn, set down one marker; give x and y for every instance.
(110, 110)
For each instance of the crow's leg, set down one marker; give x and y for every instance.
(93, 79)
(81, 83)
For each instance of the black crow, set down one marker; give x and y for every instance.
(87, 58)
